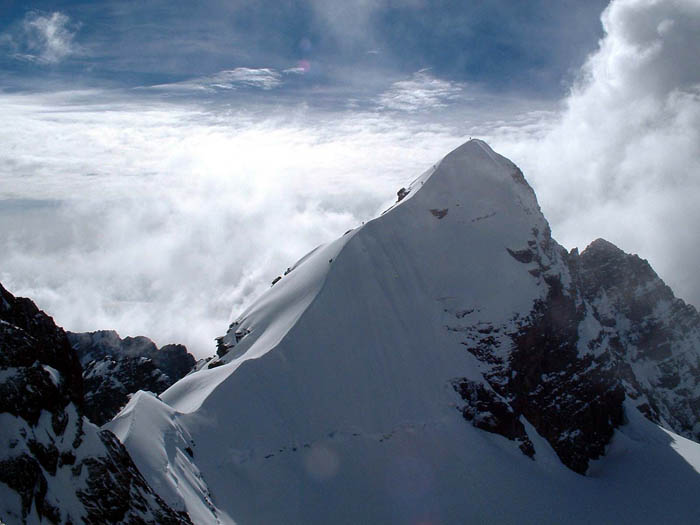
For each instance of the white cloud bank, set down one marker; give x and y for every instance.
(622, 160)
(158, 220)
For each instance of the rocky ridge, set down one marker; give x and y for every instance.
(114, 368)
(653, 336)
(56, 466)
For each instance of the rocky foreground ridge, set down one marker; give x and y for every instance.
(114, 368)
(56, 466)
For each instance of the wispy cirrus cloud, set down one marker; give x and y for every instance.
(45, 38)
(297, 70)
(422, 91)
(230, 79)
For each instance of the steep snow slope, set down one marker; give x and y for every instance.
(344, 390)
(264, 324)
(160, 445)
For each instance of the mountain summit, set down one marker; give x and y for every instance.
(447, 362)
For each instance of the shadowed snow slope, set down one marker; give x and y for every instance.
(358, 389)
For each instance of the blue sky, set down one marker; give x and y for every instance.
(351, 48)
(162, 162)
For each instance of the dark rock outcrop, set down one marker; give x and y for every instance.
(114, 368)
(55, 466)
(536, 366)
(608, 330)
(653, 336)
(488, 411)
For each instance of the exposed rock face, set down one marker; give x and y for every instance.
(608, 328)
(654, 337)
(489, 411)
(116, 367)
(537, 365)
(55, 466)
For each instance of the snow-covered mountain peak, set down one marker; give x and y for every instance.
(475, 151)
(446, 362)
(475, 157)
(476, 176)
(382, 357)
(473, 210)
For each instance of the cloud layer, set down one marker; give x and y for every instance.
(163, 218)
